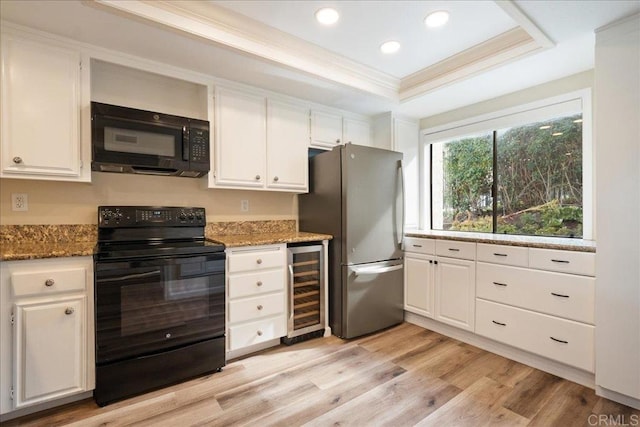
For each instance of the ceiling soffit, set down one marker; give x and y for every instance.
(228, 28)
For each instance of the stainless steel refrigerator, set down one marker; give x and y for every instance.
(356, 195)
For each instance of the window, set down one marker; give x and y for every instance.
(519, 173)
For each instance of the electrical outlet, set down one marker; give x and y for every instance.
(244, 206)
(19, 202)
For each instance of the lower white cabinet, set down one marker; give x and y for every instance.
(256, 295)
(47, 330)
(418, 284)
(455, 287)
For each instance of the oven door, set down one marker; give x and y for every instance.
(151, 305)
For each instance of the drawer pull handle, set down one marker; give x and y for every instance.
(259, 283)
(561, 341)
(559, 295)
(257, 177)
(454, 249)
(499, 284)
(49, 282)
(561, 261)
(259, 307)
(68, 311)
(499, 323)
(417, 246)
(259, 260)
(498, 254)
(259, 333)
(17, 160)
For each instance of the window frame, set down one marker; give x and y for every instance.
(579, 100)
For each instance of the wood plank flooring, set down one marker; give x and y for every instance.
(402, 376)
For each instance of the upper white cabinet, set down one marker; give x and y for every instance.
(41, 112)
(356, 131)
(259, 144)
(329, 129)
(326, 129)
(287, 144)
(240, 139)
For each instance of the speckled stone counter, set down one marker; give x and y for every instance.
(20, 242)
(235, 240)
(566, 244)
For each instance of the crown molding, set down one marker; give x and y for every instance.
(228, 28)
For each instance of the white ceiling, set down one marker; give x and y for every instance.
(486, 50)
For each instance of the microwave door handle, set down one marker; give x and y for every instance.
(185, 144)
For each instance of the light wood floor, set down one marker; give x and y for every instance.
(403, 376)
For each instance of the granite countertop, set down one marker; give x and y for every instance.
(562, 243)
(255, 239)
(36, 250)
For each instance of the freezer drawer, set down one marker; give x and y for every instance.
(373, 295)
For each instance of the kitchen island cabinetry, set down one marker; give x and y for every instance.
(47, 331)
(260, 144)
(256, 297)
(42, 90)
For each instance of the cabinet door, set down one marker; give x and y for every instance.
(326, 129)
(418, 284)
(240, 144)
(287, 144)
(49, 357)
(455, 292)
(40, 110)
(357, 132)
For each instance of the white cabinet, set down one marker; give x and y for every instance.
(256, 295)
(356, 131)
(260, 144)
(331, 129)
(455, 292)
(440, 287)
(240, 139)
(46, 331)
(326, 129)
(287, 144)
(41, 112)
(617, 175)
(49, 349)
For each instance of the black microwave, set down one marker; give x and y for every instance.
(128, 140)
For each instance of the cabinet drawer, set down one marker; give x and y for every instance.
(564, 295)
(563, 261)
(48, 282)
(247, 284)
(563, 340)
(453, 249)
(501, 254)
(256, 332)
(256, 307)
(419, 245)
(256, 260)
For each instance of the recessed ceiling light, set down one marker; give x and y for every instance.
(391, 46)
(327, 16)
(436, 19)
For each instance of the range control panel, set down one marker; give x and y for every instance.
(153, 216)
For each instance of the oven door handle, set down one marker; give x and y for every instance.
(131, 276)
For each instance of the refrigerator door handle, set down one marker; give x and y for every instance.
(401, 228)
(375, 270)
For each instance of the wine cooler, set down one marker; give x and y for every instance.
(306, 290)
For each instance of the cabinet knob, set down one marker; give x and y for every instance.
(259, 283)
(259, 333)
(259, 307)
(69, 310)
(17, 160)
(257, 177)
(275, 179)
(259, 260)
(338, 141)
(49, 282)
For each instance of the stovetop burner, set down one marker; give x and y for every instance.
(126, 232)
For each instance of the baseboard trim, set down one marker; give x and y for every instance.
(43, 406)
(617, 397)
(561, 370)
